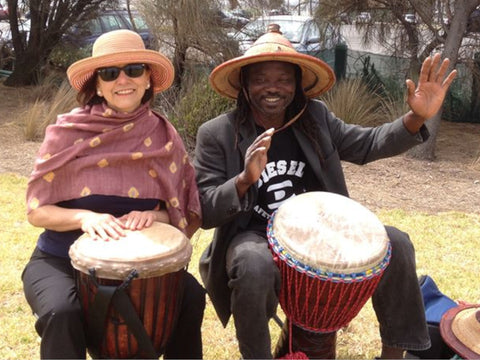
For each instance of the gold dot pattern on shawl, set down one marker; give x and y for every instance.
(182, 224)
(49, 176)
(174, 202)
(184, 184)
(33, 203)
(147, 142)
(173, 168)
(152, 173)
(108, 112)
(128, 127)
(85, 191)
(133, 193)
(103, 163)
(46, 156)
(169, 146)
(95, 142)
(78, 141)
(137, 155)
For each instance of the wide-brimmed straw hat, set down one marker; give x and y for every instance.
(317, 76)
(460, 329)
(120, 47)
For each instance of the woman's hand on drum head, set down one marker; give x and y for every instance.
(102, 226)
(138, 220)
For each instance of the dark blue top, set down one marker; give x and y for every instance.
(57, 243)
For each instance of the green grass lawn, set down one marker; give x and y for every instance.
(447, 245)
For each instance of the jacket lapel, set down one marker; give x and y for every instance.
(310, 154)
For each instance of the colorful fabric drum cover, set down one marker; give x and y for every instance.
(148, 266)
(331, 252)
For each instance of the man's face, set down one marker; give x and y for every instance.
(271, 88)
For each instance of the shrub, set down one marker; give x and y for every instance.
(352, 101)
(195, 105)
(51, 101)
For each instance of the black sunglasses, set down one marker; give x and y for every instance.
(112, 72)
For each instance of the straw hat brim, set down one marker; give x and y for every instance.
(162, 72)
(461, 331)
(317, 76)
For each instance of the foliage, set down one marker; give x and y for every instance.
(197, 104)
(189, 31)
(63, 55)
(456, 106)
(352, 101)
(439, 26)
(446, 248)
(49, 20)
(53, 100)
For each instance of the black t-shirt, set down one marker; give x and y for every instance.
(285, 175)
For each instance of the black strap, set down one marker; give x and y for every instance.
(124, 306)
(116, 296)
(97, 315)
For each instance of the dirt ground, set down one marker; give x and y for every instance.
(450, 183)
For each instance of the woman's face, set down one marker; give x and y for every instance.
(125, 92)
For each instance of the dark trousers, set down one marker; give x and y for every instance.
(255, 282)
(50, 290)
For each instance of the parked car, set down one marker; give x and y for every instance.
(306, 35)
(108, 20)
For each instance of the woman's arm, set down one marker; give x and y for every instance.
(56, 218)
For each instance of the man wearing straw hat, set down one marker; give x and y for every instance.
(278, 121)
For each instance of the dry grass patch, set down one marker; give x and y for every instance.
(447, 247)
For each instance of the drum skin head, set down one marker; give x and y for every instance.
(330, 232)
(153, 251)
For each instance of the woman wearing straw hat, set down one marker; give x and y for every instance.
(103, 169)
(277, 121)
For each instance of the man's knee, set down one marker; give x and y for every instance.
(400, 241)
(253, 270)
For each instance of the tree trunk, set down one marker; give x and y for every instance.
(25, 72)
(426, 151)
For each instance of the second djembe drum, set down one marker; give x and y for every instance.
(331, 252)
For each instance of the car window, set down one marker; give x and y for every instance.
(92, 27)
(112, 22)
(292, 30)
(313, 32)
(140, 23)
(252, 30)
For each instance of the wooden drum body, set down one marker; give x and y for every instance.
(131, 289)
(331, 252)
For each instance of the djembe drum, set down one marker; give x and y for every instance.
(331, 252)
(130, 290)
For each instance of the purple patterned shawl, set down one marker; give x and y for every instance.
(96, 150)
